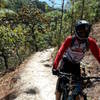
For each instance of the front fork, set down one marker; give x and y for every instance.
(75, 92)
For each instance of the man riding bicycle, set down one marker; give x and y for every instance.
(72, 52)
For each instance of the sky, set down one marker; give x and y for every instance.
(57, 2)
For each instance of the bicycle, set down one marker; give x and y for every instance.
(73, 89)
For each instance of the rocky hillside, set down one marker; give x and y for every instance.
(93, 67)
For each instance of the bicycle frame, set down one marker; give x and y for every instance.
(70, 89)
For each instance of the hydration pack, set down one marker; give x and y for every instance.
(85, 41)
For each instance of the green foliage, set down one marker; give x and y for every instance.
(4, 3)
(21, 33)
(9, 37)
(28, 26)
(5, 38)
(89, 10)
(17, 4)
(11, 42)
(6, 12)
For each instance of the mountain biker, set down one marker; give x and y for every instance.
(72, 52)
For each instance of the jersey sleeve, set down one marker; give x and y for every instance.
(61, 51)
(94, 49)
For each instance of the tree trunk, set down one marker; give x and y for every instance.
(5, 60)
(60, 32)
(19, 58)
(82, 12)
(18, 55)
(34, 39)
(72, 17)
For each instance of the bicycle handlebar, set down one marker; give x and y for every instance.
(90, 77)
(68, 75)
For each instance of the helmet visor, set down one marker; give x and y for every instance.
(83, 31)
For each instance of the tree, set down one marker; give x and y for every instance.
(4, 3)
(97, 10)
(32, 17)
(60, 32)
(10, 41)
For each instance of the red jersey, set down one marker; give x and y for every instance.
(76, 52)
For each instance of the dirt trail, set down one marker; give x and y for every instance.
(37, 81)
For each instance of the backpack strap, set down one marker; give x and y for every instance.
(73, 39)
(87, 44)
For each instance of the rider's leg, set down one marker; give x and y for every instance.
(58, 89)
(58, 95)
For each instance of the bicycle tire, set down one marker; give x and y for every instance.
(64, 95)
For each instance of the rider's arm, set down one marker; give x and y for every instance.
(94, 49)
(61, 51)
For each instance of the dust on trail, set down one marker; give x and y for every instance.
(36, 81)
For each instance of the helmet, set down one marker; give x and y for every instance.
(82, 29)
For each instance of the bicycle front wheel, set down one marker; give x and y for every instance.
(64, 95)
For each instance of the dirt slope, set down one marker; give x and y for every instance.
(93, 66)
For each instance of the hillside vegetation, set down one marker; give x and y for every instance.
(28, 26)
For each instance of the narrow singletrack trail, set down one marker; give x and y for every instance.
(36, 81)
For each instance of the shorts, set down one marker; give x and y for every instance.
(68, 67)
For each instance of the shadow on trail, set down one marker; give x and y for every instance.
(47, 65)
(34, 91)
(10, 96)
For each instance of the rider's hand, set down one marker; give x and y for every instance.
(55, 72)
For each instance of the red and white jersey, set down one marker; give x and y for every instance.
(76, 52)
